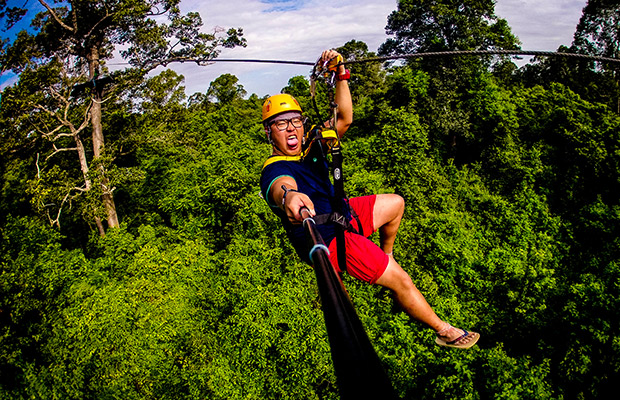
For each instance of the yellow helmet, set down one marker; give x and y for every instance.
(278, 104)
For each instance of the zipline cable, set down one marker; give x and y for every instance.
(206, 62)
(244, 60)
(431, 54)
(486, 52)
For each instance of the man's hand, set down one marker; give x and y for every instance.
(295, 201)
(332, 58)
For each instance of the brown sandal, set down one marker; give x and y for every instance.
(465, 341)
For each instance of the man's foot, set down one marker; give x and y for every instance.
(458, 338)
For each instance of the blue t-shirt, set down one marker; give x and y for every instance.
(311, 173)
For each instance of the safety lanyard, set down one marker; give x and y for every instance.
(321, 70)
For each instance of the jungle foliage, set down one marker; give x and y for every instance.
(511, 179)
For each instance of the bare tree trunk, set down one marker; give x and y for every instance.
(87, 183)
(98, 143)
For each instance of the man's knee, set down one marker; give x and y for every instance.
(388, 207)
(399, 203)
(396, 278)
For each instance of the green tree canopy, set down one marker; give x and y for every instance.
(225, 89)
(511, 228)
(430, 25)
(76, 38)
(598, 31)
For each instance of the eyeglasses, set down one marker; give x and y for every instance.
(282, 124)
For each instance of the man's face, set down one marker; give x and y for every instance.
(287, 133)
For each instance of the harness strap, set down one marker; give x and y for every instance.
(339, 219)
(357, 218)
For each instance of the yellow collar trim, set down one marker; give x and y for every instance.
(273, 159)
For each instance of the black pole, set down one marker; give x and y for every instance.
(339, 205)
(358, 368)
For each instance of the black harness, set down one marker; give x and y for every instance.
(340, 220)
(337, 216)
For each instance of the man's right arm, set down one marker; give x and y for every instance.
(293, 202)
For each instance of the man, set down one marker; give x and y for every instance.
(294, 177)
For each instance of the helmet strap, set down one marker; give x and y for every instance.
(268, 132)
(271, 142)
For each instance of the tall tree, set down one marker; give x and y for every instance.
(226, 89)
(76, 37)
(442, 25)
(598, 33)
(419, 26)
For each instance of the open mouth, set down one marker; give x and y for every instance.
(292, 141)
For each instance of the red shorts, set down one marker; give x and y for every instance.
(365, 260)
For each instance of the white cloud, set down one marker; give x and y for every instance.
(302, 33)
(299, 35)
(309, 26)
(542, 25)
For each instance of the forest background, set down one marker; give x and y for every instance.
(138, 261)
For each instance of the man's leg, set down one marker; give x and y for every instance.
(408, 295)
(387, 214)
(416, 306)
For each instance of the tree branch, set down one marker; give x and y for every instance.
(56, 221)
(38, 168)
(55, 16)
(156, 12)
(57, 150)
(98, 22)
(53, 135)
(63, 119)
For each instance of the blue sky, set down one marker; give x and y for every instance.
(283, 5)
(300, 29)
(32, 7)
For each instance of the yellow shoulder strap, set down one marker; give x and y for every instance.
(273, 159)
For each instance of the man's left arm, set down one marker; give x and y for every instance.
(342, 96)
(344, 102)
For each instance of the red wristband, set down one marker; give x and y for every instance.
(344, 77)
